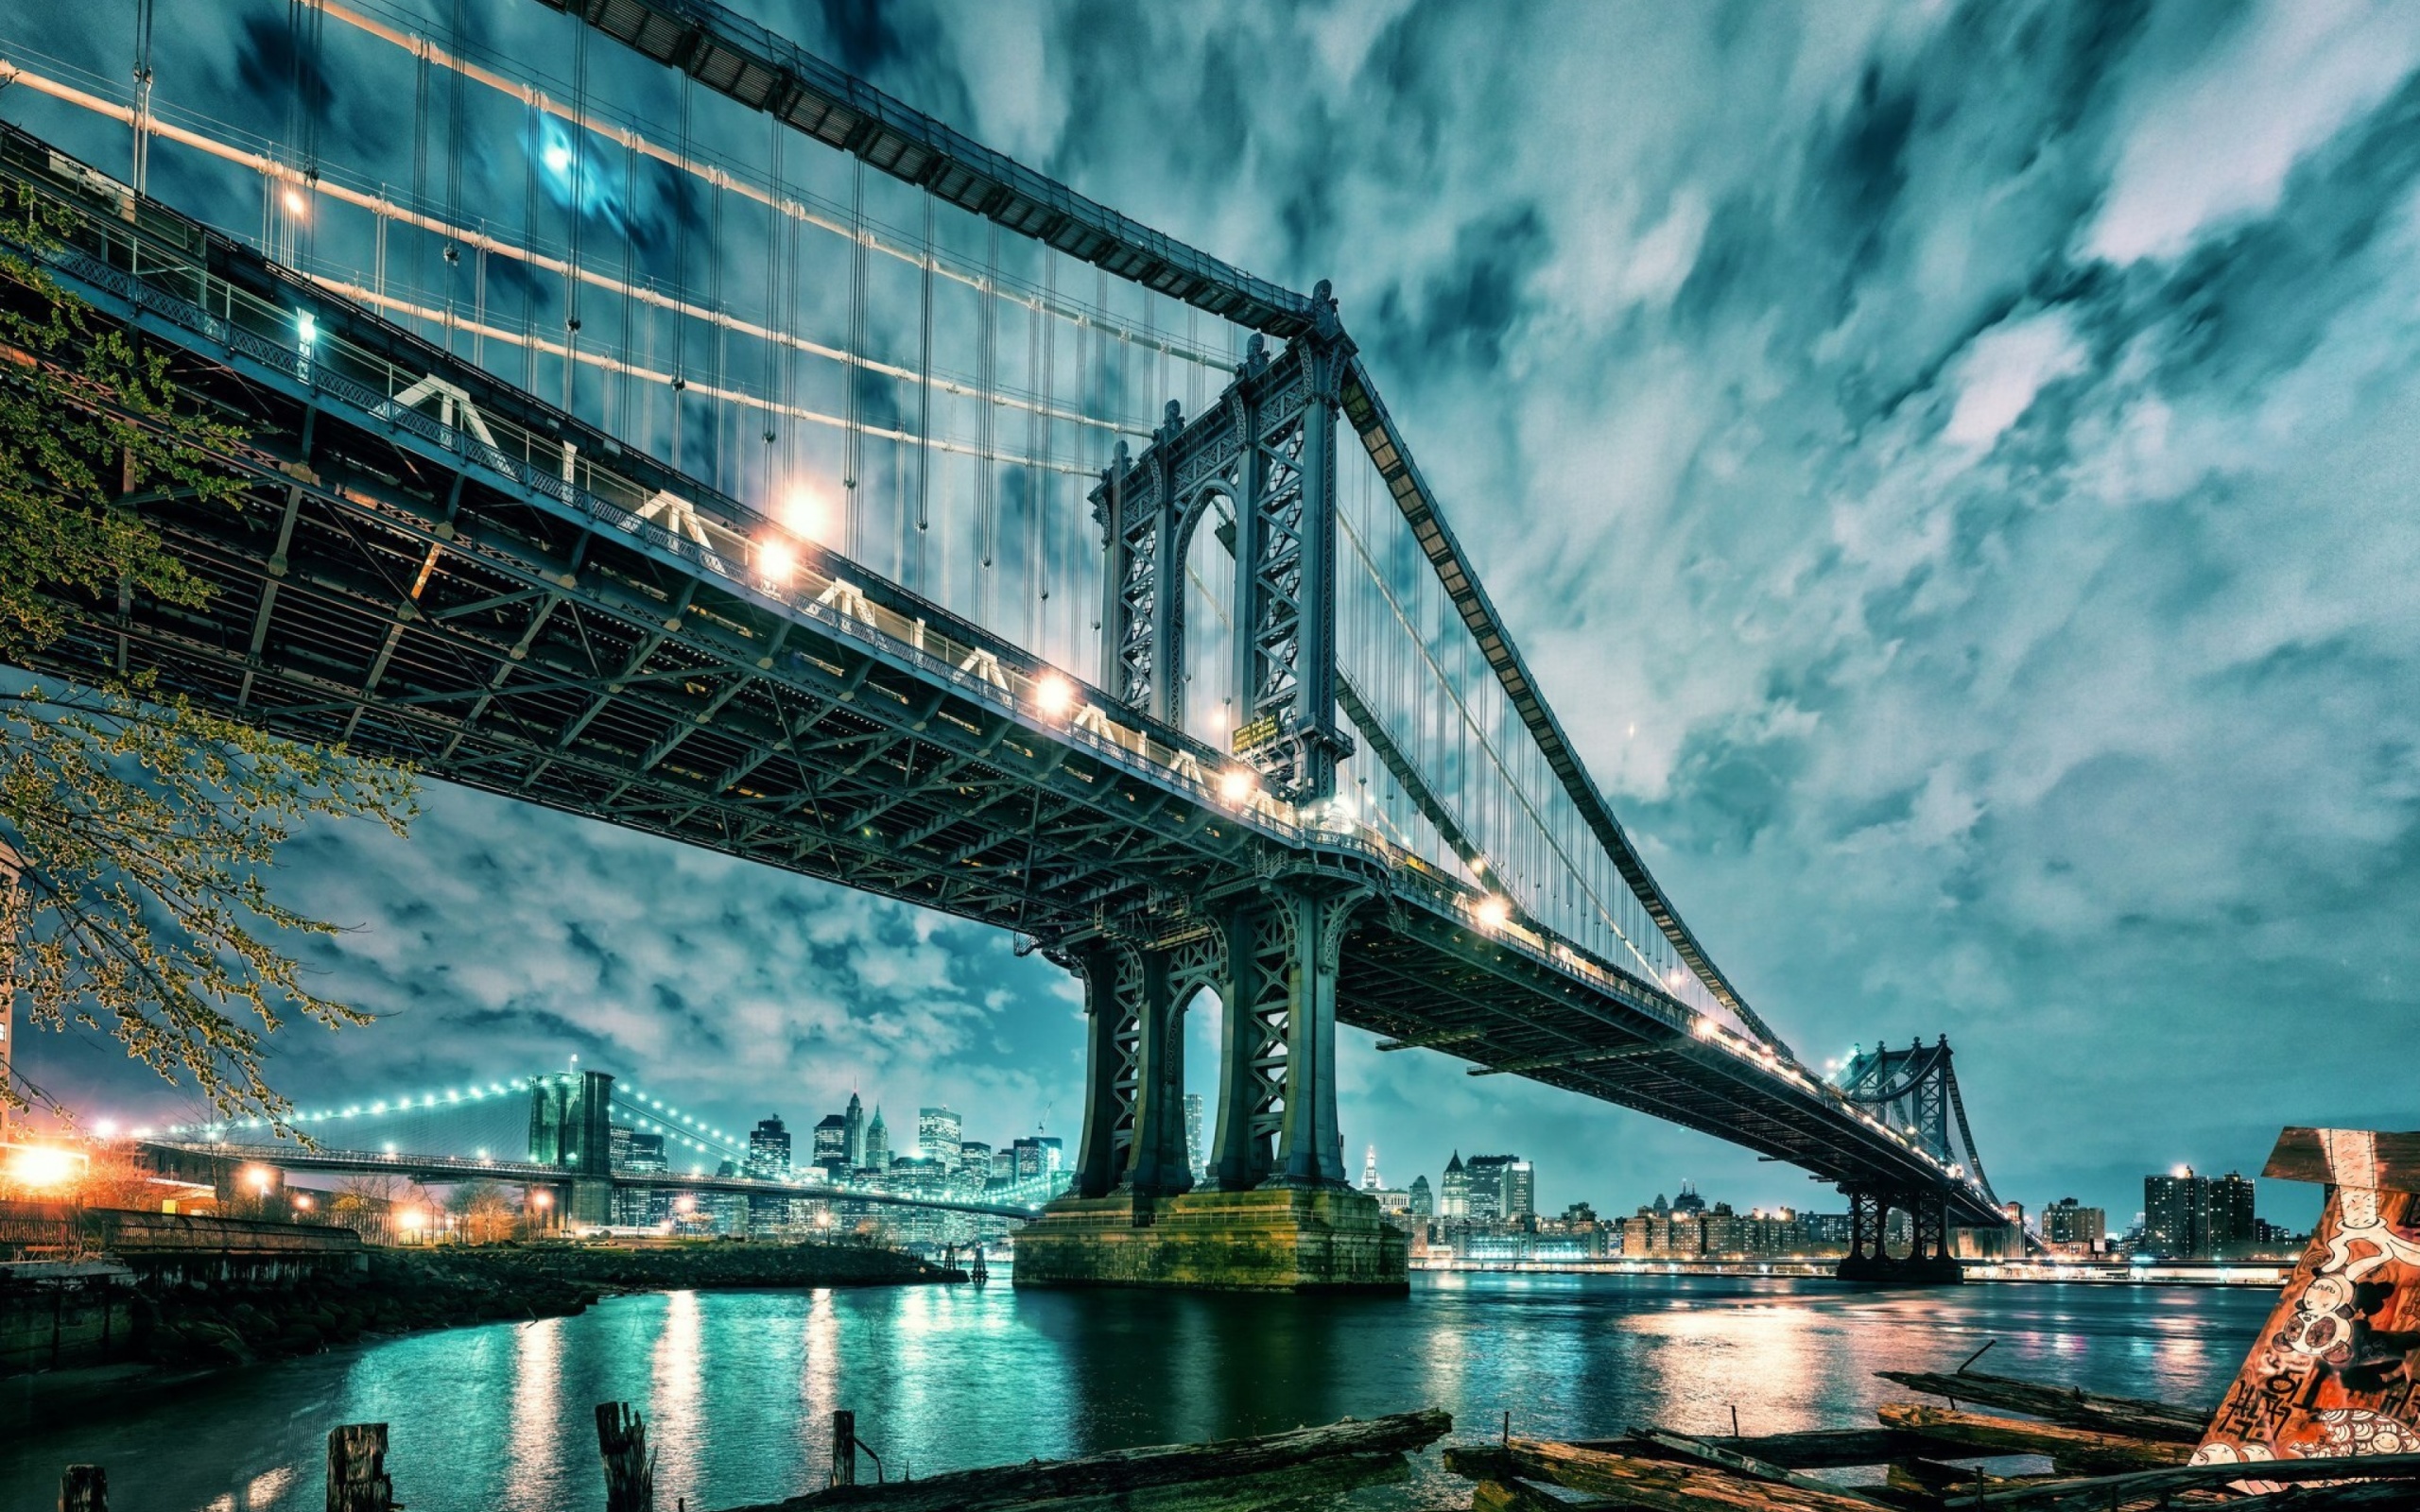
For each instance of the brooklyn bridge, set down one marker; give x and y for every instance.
(816, 485)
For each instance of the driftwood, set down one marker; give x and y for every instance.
(1657, 1485)
(2076, 1409)
(1722, 1456)
(2345, 1496)
(2104, 1490)
(2082, 1449)
(357, 1479)
(630, 1470)
(1822, 1448)
(1129, 1471)
(83, 1488)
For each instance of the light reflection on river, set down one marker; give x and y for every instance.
(739, 1387)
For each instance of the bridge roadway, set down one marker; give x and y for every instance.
(428, 586)
(452, 1168)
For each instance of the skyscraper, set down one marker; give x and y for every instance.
(769, 1150)
(1369, 1181)
(854, 1128)
(878, 1141)
(1193, 1138)
(832, 1141)
(938, 1133)
(1500, 1186)
(1424, 1202)
(2176, 1214)
(1454, 1198)
(2231, 1217)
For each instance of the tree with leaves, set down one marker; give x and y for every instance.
(136, 829)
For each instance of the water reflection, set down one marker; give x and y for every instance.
(533, 1447)
(738, 1388)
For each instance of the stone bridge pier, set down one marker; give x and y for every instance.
(1276, 1212)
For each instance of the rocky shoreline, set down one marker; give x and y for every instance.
(405, 1291)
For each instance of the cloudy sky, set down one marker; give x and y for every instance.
(1942, 461)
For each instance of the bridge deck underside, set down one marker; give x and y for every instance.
(379, 588)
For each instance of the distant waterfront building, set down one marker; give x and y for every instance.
(832, 1141)
(2176, 1215)
(877, 1143)
(1193, 1145)
(852, 1124)
(769, 1150)
(646, 1156)
(938, 1133)
(617, 1147)
(1422, 1203)
(973, 1162)
(2069, 1225)
(1454, 1196)
(1037, 1155)
(1369, 1181)
(2233, 1227)
(1502, 1188)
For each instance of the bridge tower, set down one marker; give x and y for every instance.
(571, 1127)
(1264, 457)
(1913, 1093)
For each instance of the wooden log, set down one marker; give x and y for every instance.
(357, 1480)
(630, 1470)
(2081, 1447)
(1934, 1480)
(83, 1488)
(2077, 1409)
(1823, 1449)
(1724, 1457)
(2104, 1490)
(1513, 1496)
(1656, 1484)
(1132, 1470)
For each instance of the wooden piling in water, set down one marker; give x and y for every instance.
(630, 1470)
(83, 1488)
(844, 1448)
(357, 1480)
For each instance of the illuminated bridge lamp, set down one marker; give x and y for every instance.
(1493, 913)
(1054, 694)
(1237, 784)
(776, 561)
(293, 202)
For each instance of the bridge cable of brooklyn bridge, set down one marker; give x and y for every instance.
(659, 469)
(555, 1131)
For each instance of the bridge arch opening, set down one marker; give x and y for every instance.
(1205, 663)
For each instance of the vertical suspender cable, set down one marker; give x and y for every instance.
(723, 416)
(454, 129)
(680, 286)
(988, 354)
(925, 391)
(1035, 523)
(853, 373)
(775, 313)
(578, 217)
(142, 117)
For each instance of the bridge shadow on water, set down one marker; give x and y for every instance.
(739, 1387)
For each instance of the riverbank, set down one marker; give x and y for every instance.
(187, 1327)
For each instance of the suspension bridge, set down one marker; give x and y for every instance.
(555, 1133)
(710, 444)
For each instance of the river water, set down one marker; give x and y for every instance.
(739, 1387)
